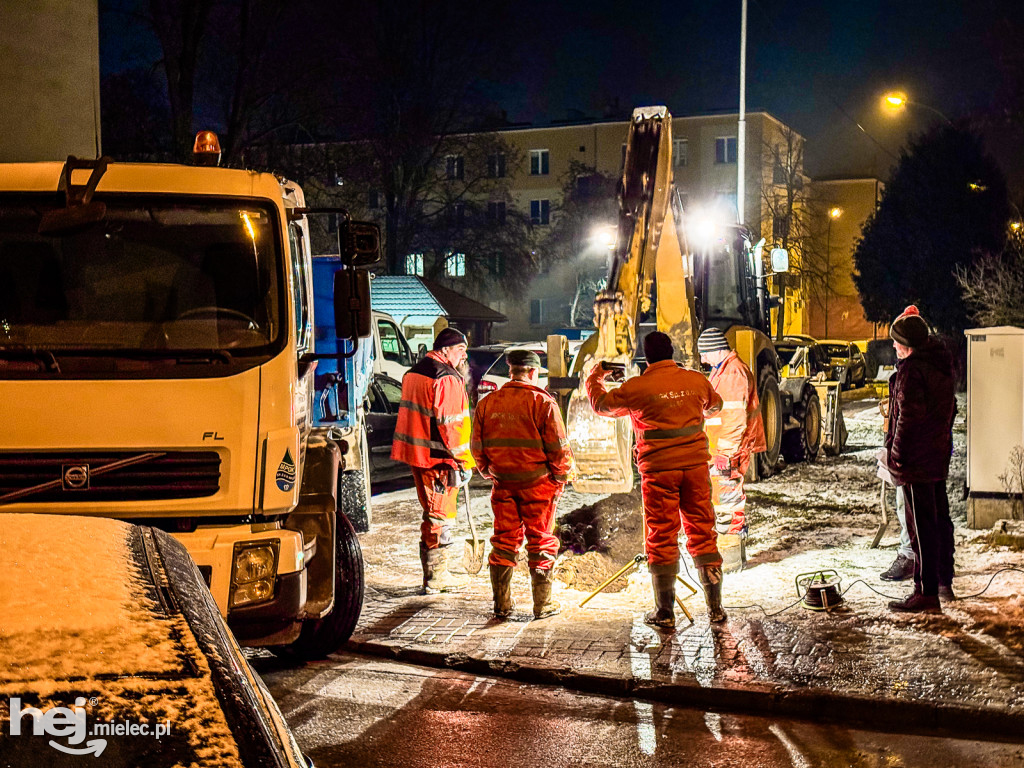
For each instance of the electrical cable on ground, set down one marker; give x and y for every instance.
(800, 599)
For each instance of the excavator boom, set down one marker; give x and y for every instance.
(648, 260)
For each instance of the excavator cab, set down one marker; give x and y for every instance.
(687, 272)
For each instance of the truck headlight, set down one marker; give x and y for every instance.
(253, 572)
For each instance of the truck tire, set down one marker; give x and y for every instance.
(354, 497)
(771, 415)
(320, 637)
(803, 443)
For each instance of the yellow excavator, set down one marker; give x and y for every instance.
(690, 277)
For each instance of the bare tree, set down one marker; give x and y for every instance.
(993, 287)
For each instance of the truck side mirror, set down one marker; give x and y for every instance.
(780, 260)
(360, 244)
(352, 304)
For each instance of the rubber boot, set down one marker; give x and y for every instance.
(663, 578)
(436, 577)
(501, 586)
(731, 547)
(543, 605)
(711, 580)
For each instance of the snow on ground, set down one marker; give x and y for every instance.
(807, 517)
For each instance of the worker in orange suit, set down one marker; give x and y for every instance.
(734, 436)
(519, 442)
(432, 436)
(668, 405)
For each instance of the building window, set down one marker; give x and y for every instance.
(455, 265)
(539, 162)
(780, 227)
(414, 264)
(496, 165)
(457, 215)
(496, 211)
(540, 211)
(454, 167)
(680, 152)
(375, 200)
(725, 149)
(536, 311)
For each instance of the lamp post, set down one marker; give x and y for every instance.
(896, 101)
(833, 213)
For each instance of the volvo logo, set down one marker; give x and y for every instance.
(75, 477)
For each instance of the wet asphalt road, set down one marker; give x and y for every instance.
(363, 711)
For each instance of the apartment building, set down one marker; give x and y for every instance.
(705, 173)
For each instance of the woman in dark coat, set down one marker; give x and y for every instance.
(919, 444)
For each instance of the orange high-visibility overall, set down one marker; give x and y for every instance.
(736, 434)
(667, 405)
(432, 436)
(519, 441)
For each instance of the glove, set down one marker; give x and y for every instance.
(465, 475)
(723, 465)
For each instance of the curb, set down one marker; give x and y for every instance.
(816, 705)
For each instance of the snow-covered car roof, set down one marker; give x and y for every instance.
(113, 622)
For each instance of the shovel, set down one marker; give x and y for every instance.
(473, 553)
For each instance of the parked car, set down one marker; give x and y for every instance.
(383, 399)
(846, 363)
(803, 357)
(480, 360)
(498, 374)
(109, 629)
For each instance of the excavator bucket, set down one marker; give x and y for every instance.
(601, 445)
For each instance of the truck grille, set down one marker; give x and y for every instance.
(173, 475)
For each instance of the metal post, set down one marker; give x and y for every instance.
(828, 267)
(741, 132)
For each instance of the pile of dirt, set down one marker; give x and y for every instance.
(597, 539)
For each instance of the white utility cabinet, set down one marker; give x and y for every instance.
(995, 418)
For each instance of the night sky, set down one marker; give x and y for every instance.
(817, 65)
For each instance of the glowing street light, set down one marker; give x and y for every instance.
(833, 213)
(897, 101)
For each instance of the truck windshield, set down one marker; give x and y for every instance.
(723, 290)
(156, 273)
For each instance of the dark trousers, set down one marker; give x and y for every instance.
(931, 535)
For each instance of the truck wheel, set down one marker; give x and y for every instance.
(771, 415)
(320, 637)
(802, 444)
(354, 497)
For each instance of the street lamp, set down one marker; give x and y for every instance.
(896, 101)
(833, 213)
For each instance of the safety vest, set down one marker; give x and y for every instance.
(519, 437)
(738, 431)
(433, 417)
(667, 405)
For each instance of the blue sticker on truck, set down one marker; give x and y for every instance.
(286, 472)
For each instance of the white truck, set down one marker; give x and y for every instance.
(157, 365)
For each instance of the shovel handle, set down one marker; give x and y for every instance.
(469, 514)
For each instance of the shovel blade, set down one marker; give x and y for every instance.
(473, 555)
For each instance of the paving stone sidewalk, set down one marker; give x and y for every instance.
(856, 665)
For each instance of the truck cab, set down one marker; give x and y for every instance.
(157, 365)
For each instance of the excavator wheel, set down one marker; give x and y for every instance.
(771, 415)
(802, 444)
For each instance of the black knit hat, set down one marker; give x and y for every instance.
(712, 340)
(449, 337)
(909, 330)
(524, 358)
(657, 347)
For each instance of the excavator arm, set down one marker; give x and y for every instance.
(648, 261)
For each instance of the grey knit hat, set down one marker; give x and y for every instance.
(449, 337)
(712, 340)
